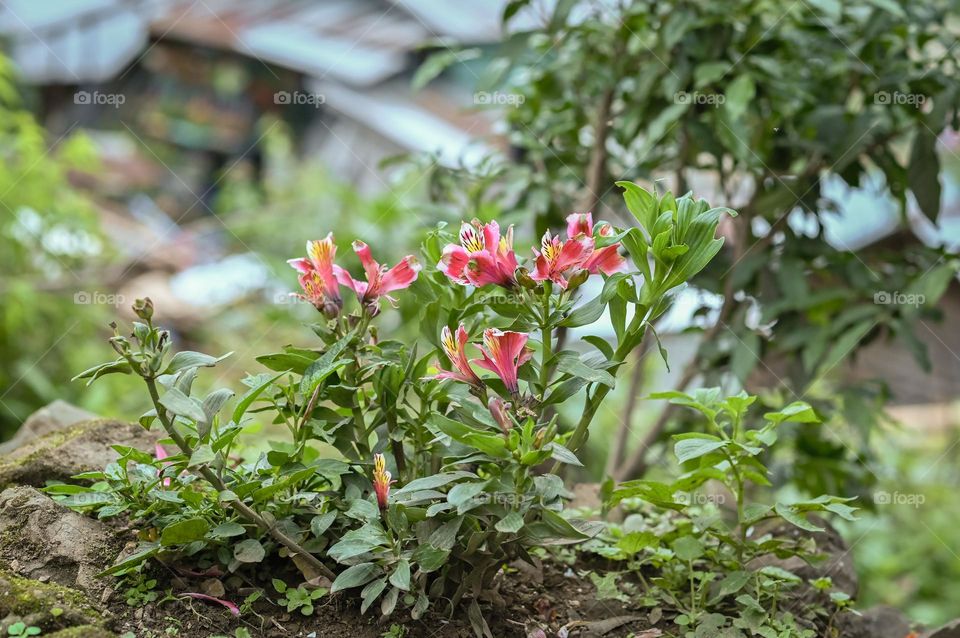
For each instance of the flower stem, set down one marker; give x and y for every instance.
(546, 339)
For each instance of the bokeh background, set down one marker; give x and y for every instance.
(184, 149)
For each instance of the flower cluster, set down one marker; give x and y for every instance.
(484, 256)
(502, 352)
(321, 279)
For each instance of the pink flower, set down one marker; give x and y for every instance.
(161, 454)
(317, 275)
(608, 259)
(380, 281)
(503, 354)
(381, 480)
(483, 256)
(454, 347)
(557, 258)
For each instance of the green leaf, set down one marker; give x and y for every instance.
(433, 482)
(182, 532)
(202, 455)
(688, 449)
(180, 404)
(739, 93)
(688, 548)
(794, 517)
(511, 523)
(320, 524)
(923, 172)
(249, 551)
(400, 578)
(355, 576)
(371, 592)
(228, 529)
(327, 364)
(252, 394)
(187, 359)
(430, 558)
(562, 454)
(120, 366)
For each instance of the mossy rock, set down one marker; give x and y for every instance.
(46, 605)
(59, 455)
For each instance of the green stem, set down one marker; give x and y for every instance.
(631, 337)
(546, 339)
(242, 509)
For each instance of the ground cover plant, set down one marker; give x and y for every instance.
(410, 475)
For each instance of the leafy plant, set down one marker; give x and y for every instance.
(359, 410)
(20, 628)
(706, 564)
(300, 598)
(781, 111)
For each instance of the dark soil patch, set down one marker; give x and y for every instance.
(525, 604)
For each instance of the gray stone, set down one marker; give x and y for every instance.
(59, 415)
(63, 453)
(40, 539)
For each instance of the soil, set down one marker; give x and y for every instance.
(564, 599)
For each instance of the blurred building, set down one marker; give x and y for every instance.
(199, 74)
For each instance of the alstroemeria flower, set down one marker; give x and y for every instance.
(380, 281)
(381, 480)
(483, 256)
(503, 354)
(608, 259)
(558, 258)
(317, 277)
(454, 347)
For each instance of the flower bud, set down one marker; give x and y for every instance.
(499, 409)
(538, 439)
(143, 308)
(522, 275)
(329, 308)
(577, 279)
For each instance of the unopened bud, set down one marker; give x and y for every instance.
(538, 439)
(143, 308)
(577, 279)
(329, 308)
(499, 410)
(522, 275)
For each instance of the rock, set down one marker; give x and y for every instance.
(950, 630)
(59, 415)
(876, 622)
(33, 602)
(83, 447)
(39, 537)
